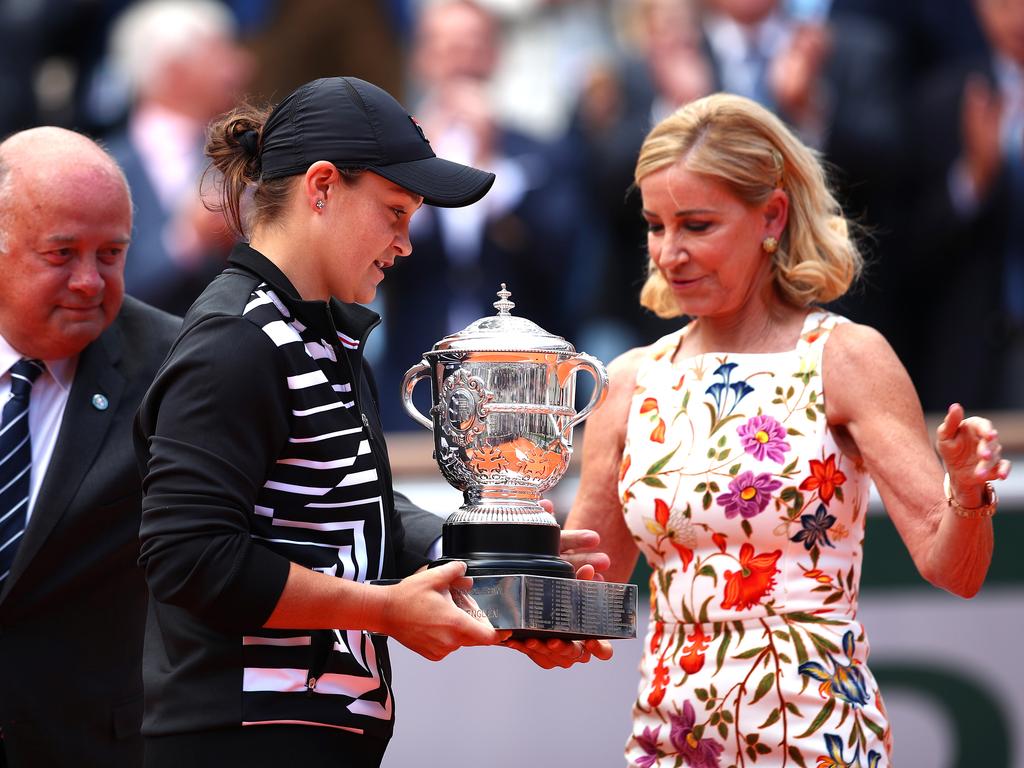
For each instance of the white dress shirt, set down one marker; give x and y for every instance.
(45, 412)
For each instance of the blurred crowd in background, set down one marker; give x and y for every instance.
(917, 105)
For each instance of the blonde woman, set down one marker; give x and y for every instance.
(736, 455)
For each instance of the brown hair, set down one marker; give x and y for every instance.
(741, 144)
(234, 154)
(233, 144)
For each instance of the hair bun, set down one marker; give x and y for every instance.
(249, 141)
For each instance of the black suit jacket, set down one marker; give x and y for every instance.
(72, 611)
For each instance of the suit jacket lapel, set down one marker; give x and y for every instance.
(82, 432)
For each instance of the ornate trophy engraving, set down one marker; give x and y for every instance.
(503, 393)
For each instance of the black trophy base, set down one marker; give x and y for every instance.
(490, 549)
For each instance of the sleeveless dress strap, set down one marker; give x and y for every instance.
(817, 327)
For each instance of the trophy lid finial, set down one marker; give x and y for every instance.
(503, 305)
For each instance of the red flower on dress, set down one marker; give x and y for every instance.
(659, 632)
(693, 655)
(685, 553)
(719, 540)
(661, 512)
(649, 404)
(657, 694)
(824, 478)
(745, 588)
(658, 434)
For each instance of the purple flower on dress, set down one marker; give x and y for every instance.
(748, 495)
(698, 753)
(648, 741)
(764, 436)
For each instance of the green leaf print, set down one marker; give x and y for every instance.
(797, 757)
(659, 465)
(750, 653)
(798, 644)
(823, 644)
(819, 719)
(654, 482)
(875, 727)
(722, 648)
(810, 618)
(763, 686)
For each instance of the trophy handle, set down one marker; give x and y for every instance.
(596, 369)
(412, 377)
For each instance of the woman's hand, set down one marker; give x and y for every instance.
(419, 612)
(579, 547)
(971, 451)
(555, 652)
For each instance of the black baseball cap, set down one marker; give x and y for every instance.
(354, 124)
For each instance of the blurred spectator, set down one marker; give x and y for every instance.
(183, 66)
(523, 233)
(838, 80)
(547, 46)
(48, 49)
(970, 218)
(661, 68)
(302, 40)
(931, 32)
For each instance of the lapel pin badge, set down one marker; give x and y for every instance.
(100, 402)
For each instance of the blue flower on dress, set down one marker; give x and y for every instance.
(815, 528)
(845, 682)
(836, 759)
(720, 390)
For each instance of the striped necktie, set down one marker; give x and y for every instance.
(15, 461)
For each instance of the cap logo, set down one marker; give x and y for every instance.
(419, 129)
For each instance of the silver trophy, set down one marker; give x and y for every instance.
(503, 394)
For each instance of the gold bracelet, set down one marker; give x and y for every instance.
(985, 510)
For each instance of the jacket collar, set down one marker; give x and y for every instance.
(349, 324)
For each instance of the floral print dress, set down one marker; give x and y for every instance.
(752, 520)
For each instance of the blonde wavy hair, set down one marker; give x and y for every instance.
(741, 144)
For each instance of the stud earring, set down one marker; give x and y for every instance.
(769, 245)
(320, 204)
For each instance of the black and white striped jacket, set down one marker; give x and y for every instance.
(260, 445)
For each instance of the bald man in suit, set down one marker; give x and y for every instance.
(72, 600)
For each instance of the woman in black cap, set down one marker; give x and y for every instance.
(268, 497)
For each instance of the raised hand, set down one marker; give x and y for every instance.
(972, 453)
